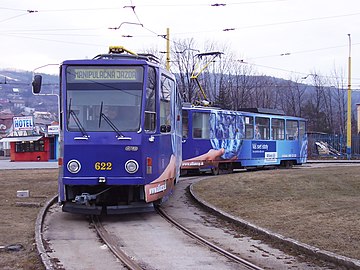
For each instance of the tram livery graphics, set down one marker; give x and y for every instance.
(265, 150)
(216, 139)
(226, 132)
(120, 134)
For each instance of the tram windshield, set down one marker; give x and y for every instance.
(96, 93)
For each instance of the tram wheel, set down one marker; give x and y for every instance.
(215, 171)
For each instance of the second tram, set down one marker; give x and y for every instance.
(215, 139)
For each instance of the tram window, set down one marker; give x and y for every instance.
(201, 129)
(302, 129)
(150, 109)
(278, 129)
(262, 128)
(185, 124)
(249, 127)
(292, 130)
(89, 100)
(225, 126)
(240, 127)
(150, 121)
(167, 86)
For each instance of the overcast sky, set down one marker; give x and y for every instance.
(283, 38)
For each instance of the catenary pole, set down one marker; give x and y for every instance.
(348, 133)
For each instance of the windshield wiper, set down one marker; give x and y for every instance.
(77, 121)
(120, 136)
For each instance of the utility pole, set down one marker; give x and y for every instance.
(168, 49)
(348, 134)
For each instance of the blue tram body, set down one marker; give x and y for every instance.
(120, 134)
(215, 139)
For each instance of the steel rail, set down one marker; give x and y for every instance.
(206, 242)
(39, 239)
(111, 243)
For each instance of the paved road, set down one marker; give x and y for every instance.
(6, 164)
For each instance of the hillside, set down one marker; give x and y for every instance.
(15, 88)
(16, 92)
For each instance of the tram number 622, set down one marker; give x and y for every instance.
(103, 166)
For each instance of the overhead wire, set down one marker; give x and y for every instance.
(14, 17)
(132, 6)
(213, 5)
(283, 54)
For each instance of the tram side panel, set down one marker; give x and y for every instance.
(229, 139)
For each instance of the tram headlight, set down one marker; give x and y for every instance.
(73, 166)
(131, 166)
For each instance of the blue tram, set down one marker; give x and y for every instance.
(120, 133)
(215, 139)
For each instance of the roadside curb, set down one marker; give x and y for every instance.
(38, 235)
(313, 251)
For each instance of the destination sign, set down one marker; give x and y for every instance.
(104, 74)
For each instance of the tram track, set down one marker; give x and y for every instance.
(39, 236)
(110, 238)
(111, 242)
(207, 243)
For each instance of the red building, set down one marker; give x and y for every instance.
(31, 148)
(41, 146)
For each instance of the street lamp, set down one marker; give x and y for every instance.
(37, 93)
(348, 134)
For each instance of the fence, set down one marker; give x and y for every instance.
(331, 145)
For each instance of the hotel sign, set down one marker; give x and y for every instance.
(23, 123)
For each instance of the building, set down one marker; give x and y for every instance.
(31, 139)
(6, 120)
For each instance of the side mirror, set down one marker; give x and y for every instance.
(165, 128)
(36, 84)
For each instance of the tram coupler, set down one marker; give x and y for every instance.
(84, 198)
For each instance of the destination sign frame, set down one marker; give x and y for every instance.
(81, 74)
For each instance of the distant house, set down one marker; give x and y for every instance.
(30, 139)
(28, 110)
(42, 115)
(18, 103)
(6, 120)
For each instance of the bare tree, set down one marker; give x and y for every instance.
(292, 96)
(236, 85)
(184, 52)
(314, 109)
(338, 81)
(242, 82)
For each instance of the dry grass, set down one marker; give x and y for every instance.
(317, 206)
(17, 224)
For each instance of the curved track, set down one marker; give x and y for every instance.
(212, 246)
(39, 240)
(112, 242)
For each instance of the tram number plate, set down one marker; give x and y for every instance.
(103, 166)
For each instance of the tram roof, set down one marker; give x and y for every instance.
(263, 111)
(253, 110)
